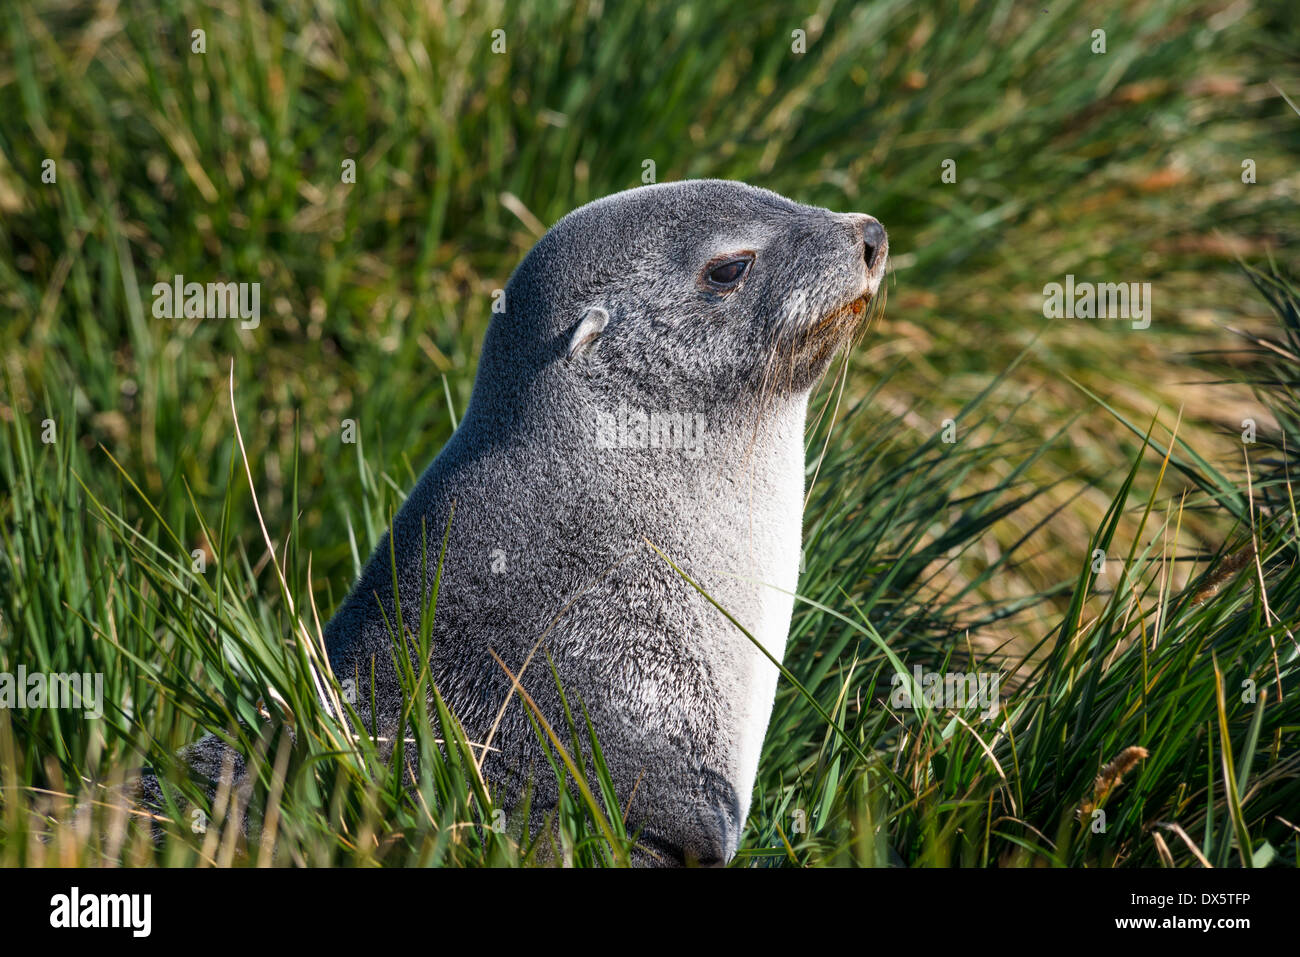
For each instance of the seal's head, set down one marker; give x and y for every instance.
(706, 289)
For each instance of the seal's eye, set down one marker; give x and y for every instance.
(727, 273)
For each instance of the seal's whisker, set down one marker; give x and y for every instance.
(842, 377)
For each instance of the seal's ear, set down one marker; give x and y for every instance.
(589, 329)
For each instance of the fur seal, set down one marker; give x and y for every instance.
(643, 394)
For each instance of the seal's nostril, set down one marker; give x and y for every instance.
(873, 239)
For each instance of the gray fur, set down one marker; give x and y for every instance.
(549, 535)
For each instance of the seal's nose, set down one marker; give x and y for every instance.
(874, 243)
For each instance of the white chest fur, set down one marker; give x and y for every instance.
(777, 550)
